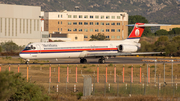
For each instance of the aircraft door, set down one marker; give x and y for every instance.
(38, 48)
(111, 46)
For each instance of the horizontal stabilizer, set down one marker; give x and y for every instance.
(147, 25)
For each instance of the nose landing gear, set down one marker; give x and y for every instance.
(27, 61)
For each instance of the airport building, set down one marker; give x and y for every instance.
(112, 24)
(21, 24)
(169, 28)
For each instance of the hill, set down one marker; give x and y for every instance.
(156, 11)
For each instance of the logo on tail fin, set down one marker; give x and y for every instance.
(137, 32)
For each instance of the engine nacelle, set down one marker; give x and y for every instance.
(128, 48)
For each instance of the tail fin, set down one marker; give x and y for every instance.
(139, 29)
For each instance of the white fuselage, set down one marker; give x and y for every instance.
(57, 50)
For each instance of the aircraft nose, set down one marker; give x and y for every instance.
(22, 55)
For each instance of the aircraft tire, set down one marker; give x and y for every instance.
(27, 62)
(101, 61)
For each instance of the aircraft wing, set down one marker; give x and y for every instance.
(121, 54)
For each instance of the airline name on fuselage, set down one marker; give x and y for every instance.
(49, 45)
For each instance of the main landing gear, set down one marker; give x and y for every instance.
(101, 60)
(83, 60)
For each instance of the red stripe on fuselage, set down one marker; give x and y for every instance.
(68, 50)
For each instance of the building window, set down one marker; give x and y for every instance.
(69, 23)
(20, 25)
(107, 17)
(16, 26)
(80, 23)
(5, 26)
(96, 23)
(9, 27)
(91, 16)
(61, 22)
(91, 30)
(118, 37)
(58, 29)
(118, 23)
(12, 26)
(112, 23)
(91, 23)
(69, 16)
(61, 29)
(85, 30)
(107, 30)
(34, 25)
(74, 23)
(61, 16)
(112, 37)
(112, 30)
(76, 38)
(74, 16)
(58, 16)
(69, 29)
(118, 30)
(102, 23)
(102, 17)
(1, 25)
(80, 30)
(118, 17)
(27, 26)
(80, 16)
(86, 16)
(85, 23)
(90, 36)
(107, 36)
(37, 25)
(58, 22)
(74, 29)
(102, 30)
(96, 30)
(112, 17)
(97, 17)
(24, 25)
(85, 36)
(107, 23)
(30, 26)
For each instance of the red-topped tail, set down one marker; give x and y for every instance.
(137, 31)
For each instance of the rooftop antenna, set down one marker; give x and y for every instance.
(76, 8)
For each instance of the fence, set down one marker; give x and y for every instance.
(158, 79)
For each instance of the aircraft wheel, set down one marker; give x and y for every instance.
(101, 61)
(27, 62)
(83, 61)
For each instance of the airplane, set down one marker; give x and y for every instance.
(88, 49)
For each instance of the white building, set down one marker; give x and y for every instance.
(21, 24)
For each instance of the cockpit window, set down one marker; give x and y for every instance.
(30, 48)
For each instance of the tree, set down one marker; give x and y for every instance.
(174, 31)
(161, 32)
(15, 88)
(161, 43)
(138, 18)
(9, 46)
(98, 36)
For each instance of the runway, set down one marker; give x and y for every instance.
(116, 60)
